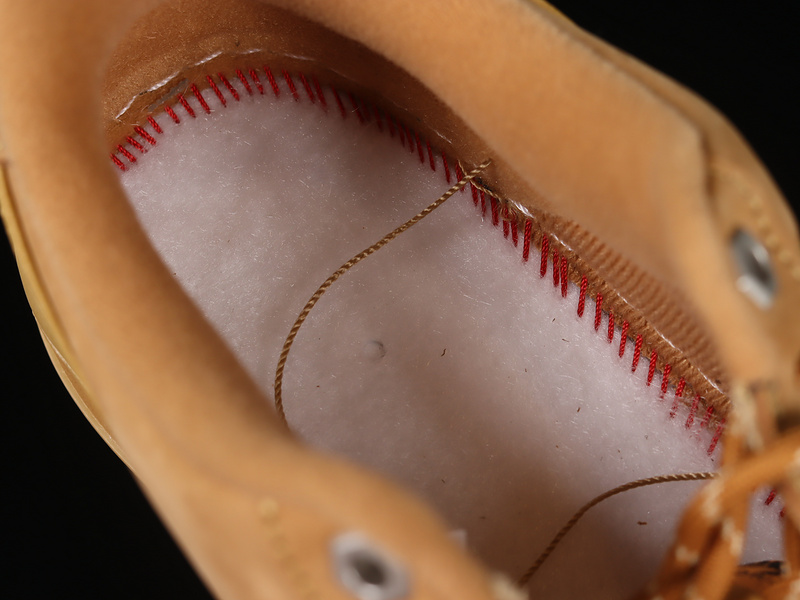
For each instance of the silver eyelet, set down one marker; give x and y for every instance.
(756, 276)
(366, 571)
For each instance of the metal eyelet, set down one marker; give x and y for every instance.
(366, 571)
(756, 276)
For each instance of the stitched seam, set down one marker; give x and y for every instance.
(504, 213)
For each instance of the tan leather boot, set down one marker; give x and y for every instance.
(258, 513)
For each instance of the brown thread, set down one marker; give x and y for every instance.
(287, 345)
(526, 577)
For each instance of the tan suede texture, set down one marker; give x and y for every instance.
(670, 185)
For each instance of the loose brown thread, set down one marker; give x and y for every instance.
(526, 577)
(287, 346)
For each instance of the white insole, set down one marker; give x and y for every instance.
(443, 361)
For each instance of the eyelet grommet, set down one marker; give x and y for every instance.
(366, 571)
(756, 276)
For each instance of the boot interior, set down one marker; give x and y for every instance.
(486, 379)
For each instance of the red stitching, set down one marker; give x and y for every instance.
(495, 211)
(610, 334)
(514, 231)
(582, 295)
(545, 252)
(692, 411)
(623, 338)
(637, 353)
(228, 85)
(506, 217)
(665, 378)
(707, 417)
(271, 78)
(118, 162)
(257, 81)
(447, 168)
(172, 114)
(155, 124)
(651, 369)
(716, 438)
(309, 91)
(244, 81)
(217, 91)
(409, 131)
(185, 103)
(143, 132)
(430, 155)
(564, 278)
(598, 311)
(122, 150)
(459, 176)
(200, 98)
(132, 141)
(339, 102)
(290, 83)
(483, 203)
(782, 514)
(526, 238)
(420, 150)
(474, 193)
(770, 499)
(556, 270)
(678, 395)
(320, 93)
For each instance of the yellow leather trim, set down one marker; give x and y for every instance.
(55, 341)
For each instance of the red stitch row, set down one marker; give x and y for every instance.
(673, 411)
(308, 89)
(623, 340)
(526, 240)
(637, 353)
(598, 311)
(582, 295)
(665, 378)
(292, 87)
(272, 83)
(256, 80)
(188, 107)
(364, 112)
(244, 81)
(323, 102)
(132, 141)
(556, 270)
(200, 98)
(651, 370)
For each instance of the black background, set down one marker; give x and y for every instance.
(74, 522)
